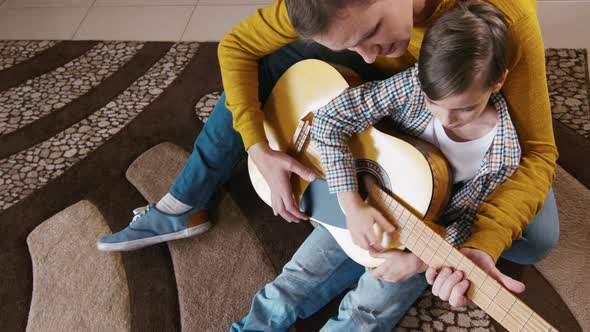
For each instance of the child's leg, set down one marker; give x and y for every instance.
(317, 273)
(376, 305)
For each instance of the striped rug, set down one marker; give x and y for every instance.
(76, 115)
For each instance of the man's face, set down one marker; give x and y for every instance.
(380, 28)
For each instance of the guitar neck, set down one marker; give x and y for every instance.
(433, 250)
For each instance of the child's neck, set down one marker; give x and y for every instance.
(477, 128)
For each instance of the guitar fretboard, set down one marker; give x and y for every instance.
(433, 250)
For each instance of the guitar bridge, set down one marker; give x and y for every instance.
(301, 135)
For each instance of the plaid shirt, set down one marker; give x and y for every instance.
(401, 99)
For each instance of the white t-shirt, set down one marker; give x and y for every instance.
(465, 158)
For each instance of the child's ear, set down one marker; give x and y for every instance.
(498, 86)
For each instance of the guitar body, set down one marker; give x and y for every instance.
(412, 170)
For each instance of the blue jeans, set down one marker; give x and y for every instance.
(320, 270)
(317, 273)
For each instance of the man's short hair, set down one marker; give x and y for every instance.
(313, 17)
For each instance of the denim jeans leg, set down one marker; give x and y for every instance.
(539, 237)
(216, 152)
(375, 304)
(317, 273)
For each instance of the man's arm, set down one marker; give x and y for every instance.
(512, 206)
(239, 51)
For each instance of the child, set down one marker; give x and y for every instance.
(449, 99)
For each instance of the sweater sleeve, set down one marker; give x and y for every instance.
(267, 30)
(512, 206)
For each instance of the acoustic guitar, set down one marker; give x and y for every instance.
(408, 180)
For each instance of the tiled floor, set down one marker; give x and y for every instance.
(563, 23)
(169, 20)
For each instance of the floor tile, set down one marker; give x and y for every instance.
(157, 23)
(112, 3)
(45, 3)
(565, 24)
(210, 23)
(235, 2)
(40, 23)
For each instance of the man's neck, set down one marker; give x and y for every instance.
(423, 9)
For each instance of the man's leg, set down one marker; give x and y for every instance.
(539, 237)
(216, 152)
(318, 272)
(376, 305)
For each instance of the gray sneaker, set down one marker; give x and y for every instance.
(150, 226)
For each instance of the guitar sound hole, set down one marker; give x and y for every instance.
(366, 181)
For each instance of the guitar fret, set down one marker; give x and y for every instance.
(469, 274)
(460, 260)
(479, 287)
(494, 297)
(390, 203)
(509, 308)
(443, 263)
(527, 320)
(434, 253)
(395, 211)
(426, 244)
(405, 224)
(419, 235)
(410, 232)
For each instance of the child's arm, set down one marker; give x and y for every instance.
(352, 112)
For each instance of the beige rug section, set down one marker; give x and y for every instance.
(75, 286)
(218, 272)
(567, 266)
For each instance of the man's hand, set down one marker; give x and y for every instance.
(276, 167)
(398, 265)
(360, 218)
(450, 286)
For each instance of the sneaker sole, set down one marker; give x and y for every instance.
(141, 243)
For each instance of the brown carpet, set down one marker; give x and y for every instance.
(216, 272)
(81, 147)
(566, 268)
(75, 287)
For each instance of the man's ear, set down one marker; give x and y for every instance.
(498, 86)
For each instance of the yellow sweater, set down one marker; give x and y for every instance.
(511, 207)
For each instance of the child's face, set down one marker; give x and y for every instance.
(458, 110)
(379, 28)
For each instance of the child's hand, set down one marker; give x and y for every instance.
(450, 286)
(398, 265)
(360, 218)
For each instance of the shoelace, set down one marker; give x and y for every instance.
(140, 211)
